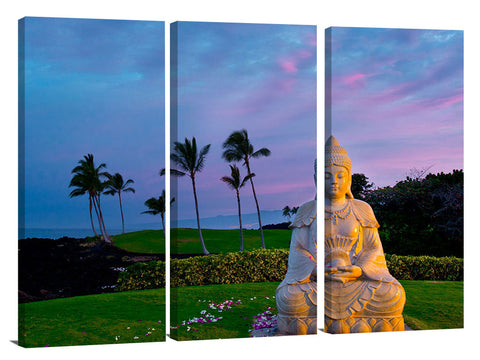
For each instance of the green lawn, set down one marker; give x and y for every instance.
(433, 304)
(187, 241)
(430, 305)
(134, 316)
(145, 241)
(188, 303)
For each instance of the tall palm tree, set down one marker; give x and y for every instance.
(235, 183)
(157, 206)
(287, 212)
(88, 179)
(237, 148)
(190, 161)
(116, 185)
(82, 190)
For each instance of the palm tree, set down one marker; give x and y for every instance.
(82, 190)
(235, 183)
(287, 212)
(116, 185)
(157, 206)
(238, 147)
(190, 161)
(87, 179)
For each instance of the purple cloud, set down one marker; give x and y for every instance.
(397, 93)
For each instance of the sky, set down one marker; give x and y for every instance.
(92, 86)
(396, 99)
(257, 77)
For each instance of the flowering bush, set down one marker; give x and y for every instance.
(232, 268)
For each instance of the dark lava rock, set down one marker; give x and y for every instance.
(70, 267)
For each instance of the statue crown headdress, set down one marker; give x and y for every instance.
(336, 155)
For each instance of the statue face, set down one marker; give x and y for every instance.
(336, 182)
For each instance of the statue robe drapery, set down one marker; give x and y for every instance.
(297, 293)
(375, 293)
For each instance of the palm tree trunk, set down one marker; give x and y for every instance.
(106, 237)
(256, 203)
(163, 225)
(240, 221)
(121, 212)
(91, 216)
(98, 216)
(205, 251)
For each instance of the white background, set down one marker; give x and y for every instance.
(453, 15)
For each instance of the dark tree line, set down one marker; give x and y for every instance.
(418, 216)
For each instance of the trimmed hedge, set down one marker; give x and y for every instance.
(141, 276)
(425, 267)
(232, 268)
(267, 266)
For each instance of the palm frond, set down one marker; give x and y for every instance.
(128, 182)
(246, 178)
(231, 155)
(200, 163)
(175, 172)
(261, 152)
(230, 182)
(187, 158)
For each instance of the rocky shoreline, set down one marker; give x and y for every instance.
(49, 269)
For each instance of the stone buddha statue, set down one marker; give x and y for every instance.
(296, 296)
(360, 293)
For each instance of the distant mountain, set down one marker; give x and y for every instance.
(249, 221)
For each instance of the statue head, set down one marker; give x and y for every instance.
(338, 175)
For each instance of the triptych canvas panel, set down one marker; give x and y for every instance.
(243, 173)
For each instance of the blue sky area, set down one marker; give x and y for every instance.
(92, 86)
(397, 99)
(257, 77)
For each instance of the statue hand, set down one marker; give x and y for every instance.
(343, 273)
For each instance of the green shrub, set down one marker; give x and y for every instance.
(267, 266)
(141, 276)
(232, 268)
(425, 267)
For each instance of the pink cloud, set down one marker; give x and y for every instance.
(284, 188)
(304, 54)
(445, 101)
(288, 66)
(355, 80)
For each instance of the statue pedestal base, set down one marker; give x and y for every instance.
(295, 325)
(297, 308)
(363, 324)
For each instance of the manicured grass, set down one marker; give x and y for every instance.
(145, 241)
(187, 241)
(430, 305)
(188, 303)
(120, 317)
(433, 304)
(94, 319)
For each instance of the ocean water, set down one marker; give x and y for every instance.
(250, 221)
(59, 233)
